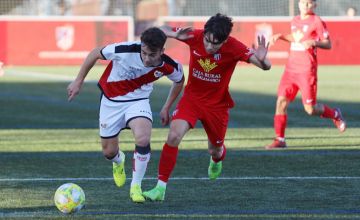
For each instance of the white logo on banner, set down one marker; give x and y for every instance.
(64, 37)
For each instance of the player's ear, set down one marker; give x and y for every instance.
(162, 51)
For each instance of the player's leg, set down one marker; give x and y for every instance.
(308, 89)
(184, 118)
(335, 115)
(111, 152)
(178, 129)
(111, 121)
(138, 118)
(141, 128)
(218, 154)
(325, 111)
(286, 93)
(280, 123)
(215, 124)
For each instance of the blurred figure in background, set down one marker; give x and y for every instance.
(308, 32)
(176, 7)
(351, 12)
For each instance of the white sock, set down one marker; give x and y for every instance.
(140, 162)
(118, 158)
(161, 183)
(221, 153)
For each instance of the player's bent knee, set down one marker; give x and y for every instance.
(142, 141)
(174, 138)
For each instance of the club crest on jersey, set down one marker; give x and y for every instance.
(217, 56)
(158, 74)
(207, 65)
(297, 35)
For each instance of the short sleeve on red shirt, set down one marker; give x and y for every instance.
(321, 29)
(241, 51)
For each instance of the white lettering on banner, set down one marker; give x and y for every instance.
(215, 78)
(63, 54)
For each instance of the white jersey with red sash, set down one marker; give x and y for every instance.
(127, 79)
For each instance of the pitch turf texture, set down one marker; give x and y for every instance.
(46, 141)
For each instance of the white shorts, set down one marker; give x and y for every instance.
(115, 116)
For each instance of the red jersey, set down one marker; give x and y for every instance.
(210, 74)
(300, 59)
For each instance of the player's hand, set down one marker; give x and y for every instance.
(262, 49)
(183, 33)
(164, 116)
(274, 38)
(73, 89)
(308, 44)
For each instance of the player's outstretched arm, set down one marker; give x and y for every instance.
(173, 94)
(179, 34)
(323, 44)
(259, 58)
(74, 87)
(276, 37)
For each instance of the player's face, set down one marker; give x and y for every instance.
(306, 6)
(149, 57)
(211, 44)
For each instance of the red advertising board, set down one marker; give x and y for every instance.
(3, 41)
(343, 34)
(58, 41)
(67, 40)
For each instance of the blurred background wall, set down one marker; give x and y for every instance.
(63, 31)
(137, 8)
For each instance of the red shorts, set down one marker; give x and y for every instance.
(214, 121)
(291, 83)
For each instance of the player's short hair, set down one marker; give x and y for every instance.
(154, 38)
(219, 26)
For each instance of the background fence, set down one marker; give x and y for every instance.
(171, 7)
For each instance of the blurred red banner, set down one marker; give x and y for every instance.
(60, 41)
(67, 40)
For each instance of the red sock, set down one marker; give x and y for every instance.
(280, 122)
(328, 112)
(222, 156)
(167, 162)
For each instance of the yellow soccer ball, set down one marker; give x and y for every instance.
(69, 198)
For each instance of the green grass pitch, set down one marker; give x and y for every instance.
(46, 141)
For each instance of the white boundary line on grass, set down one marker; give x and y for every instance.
(43, 75)
(187, 178)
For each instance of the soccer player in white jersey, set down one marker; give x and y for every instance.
(126, 85)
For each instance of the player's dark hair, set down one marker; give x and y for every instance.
(154, 38)
(219, 26)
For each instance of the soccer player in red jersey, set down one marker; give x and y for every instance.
(126, 85)
(308, 32)
(213, 58)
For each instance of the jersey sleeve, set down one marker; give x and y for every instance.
(108, 52)
(177, 75)
(321, 30)
(241, 51)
